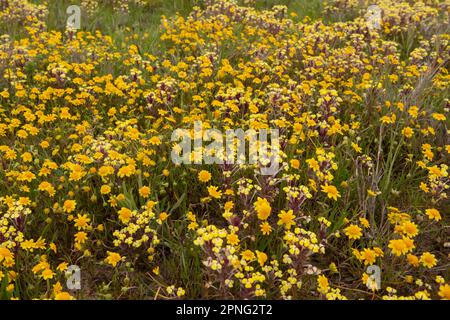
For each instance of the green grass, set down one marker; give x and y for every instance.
(142, 23)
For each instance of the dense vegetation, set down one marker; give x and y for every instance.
(86, 176)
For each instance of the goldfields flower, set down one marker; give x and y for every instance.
(125, 215)
(62, 266)
(265, 228)
(163, 216)
(113, 258)
(63, 296)
(364, 222)
(6, 256)
(444, 291)
(413, 260)
(439, 116)
(322, 284)
(82, 221)
(233, 239)
(248, 255)
(204, 176)
(353, 232)
(80, 237)
(295, 163)
(433, 214)
(368, 256)
(69, 206)
(286, 218)
(144, 192)
(262, 257)
(409, 228)
(408, 132)
(398, 247)
(213, 192)
(263, 208)
(331, 191)
(105, 189)
(428, 260)
(47, 274)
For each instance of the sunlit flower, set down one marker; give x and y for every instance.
(47, 274)
(428, 260)
(263, 208)
(69, 206)
(265, 228)
(113, 258)
(322, 284)
(444, 291)
(213, 192)
(204, 176)
(125, 215)
(353, 232)
(144, 192)
(398, 247)
(286, 218)
(433, 214)
(331, 191)
(248, 255)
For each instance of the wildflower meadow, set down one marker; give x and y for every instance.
(224, 149)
